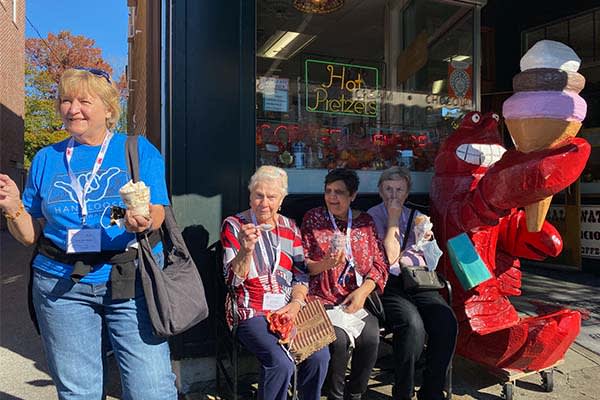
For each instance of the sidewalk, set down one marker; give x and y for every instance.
(23, 371)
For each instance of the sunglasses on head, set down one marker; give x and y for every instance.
(95, 71)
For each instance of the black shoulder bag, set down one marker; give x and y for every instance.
(417, 278)
(174, 294)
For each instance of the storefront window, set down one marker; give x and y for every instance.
(366, 87)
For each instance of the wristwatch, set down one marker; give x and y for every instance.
(301, 302)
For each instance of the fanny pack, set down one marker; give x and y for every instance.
(122, 275)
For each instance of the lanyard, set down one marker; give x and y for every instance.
(264, 251)
(349, 256)
(79, 191)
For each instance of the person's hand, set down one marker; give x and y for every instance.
(10, 197)
(248, 237)
(291, 310)
(136, 223)
(394, 209)
(355, 300)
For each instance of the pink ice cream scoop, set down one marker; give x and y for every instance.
(566, 105)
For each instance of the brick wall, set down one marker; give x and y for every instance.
(12, 80)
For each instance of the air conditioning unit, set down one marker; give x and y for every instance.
(131, 23)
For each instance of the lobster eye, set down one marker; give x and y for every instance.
(496, 117)
(475, 118)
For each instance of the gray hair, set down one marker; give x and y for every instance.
(396, 174)
(270, 173)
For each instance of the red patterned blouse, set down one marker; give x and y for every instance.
(367, 251)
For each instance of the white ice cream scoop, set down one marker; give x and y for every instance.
(550, 54)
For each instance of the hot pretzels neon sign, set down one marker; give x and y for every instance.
(330, 88)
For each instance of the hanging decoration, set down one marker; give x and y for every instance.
(318, 6)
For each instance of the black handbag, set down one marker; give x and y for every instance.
(174, 294)
(374, 305)
(417, 278)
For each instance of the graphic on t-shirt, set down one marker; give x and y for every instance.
(103, 192)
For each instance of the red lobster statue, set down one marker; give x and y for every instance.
(477, 188)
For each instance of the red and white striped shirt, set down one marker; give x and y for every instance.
(263, 277)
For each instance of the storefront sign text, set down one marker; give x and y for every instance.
(590, 231)
(436, 100)
(330, 88)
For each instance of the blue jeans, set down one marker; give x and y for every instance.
(72, 318)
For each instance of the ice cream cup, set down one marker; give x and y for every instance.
(136, 197)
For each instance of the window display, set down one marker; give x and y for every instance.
(367, 86)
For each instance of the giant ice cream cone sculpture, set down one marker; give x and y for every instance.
(546, 108)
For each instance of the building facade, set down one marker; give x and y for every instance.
(12, 94)
(367, 85)
(143, 72)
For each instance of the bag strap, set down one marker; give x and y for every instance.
(408, 227)
(133, 160)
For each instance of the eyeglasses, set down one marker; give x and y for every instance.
(95, 71)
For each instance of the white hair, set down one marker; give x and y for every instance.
(270, 173)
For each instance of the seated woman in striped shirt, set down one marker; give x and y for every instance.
(264, 263)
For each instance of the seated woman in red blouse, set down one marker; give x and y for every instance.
(264, 262)
(344, 275)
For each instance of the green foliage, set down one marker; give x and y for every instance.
(41, 115)
(35, 141)
(122, 122)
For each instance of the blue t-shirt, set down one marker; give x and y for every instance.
(48, 194)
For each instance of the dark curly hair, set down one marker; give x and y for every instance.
(346, 175)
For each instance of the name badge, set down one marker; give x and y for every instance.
(273, 301)
(83, 240)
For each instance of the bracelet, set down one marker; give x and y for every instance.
(301, 302)
(20, 210)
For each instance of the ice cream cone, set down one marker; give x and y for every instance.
(136, 197)
(545, 109)
(535, 214)
(533, 134)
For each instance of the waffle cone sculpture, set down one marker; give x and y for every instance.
(546, 108)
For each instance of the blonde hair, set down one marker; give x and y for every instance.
(78, 81)
(270, 173)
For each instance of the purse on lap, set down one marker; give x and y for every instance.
(314, 331)
(417, 278)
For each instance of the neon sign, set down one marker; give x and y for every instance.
(335, 88)
(273, 131)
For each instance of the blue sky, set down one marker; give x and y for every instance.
(105, 21)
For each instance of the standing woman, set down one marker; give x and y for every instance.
(412, 316)
(264, 264)
(78, 295)
(345, 277)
